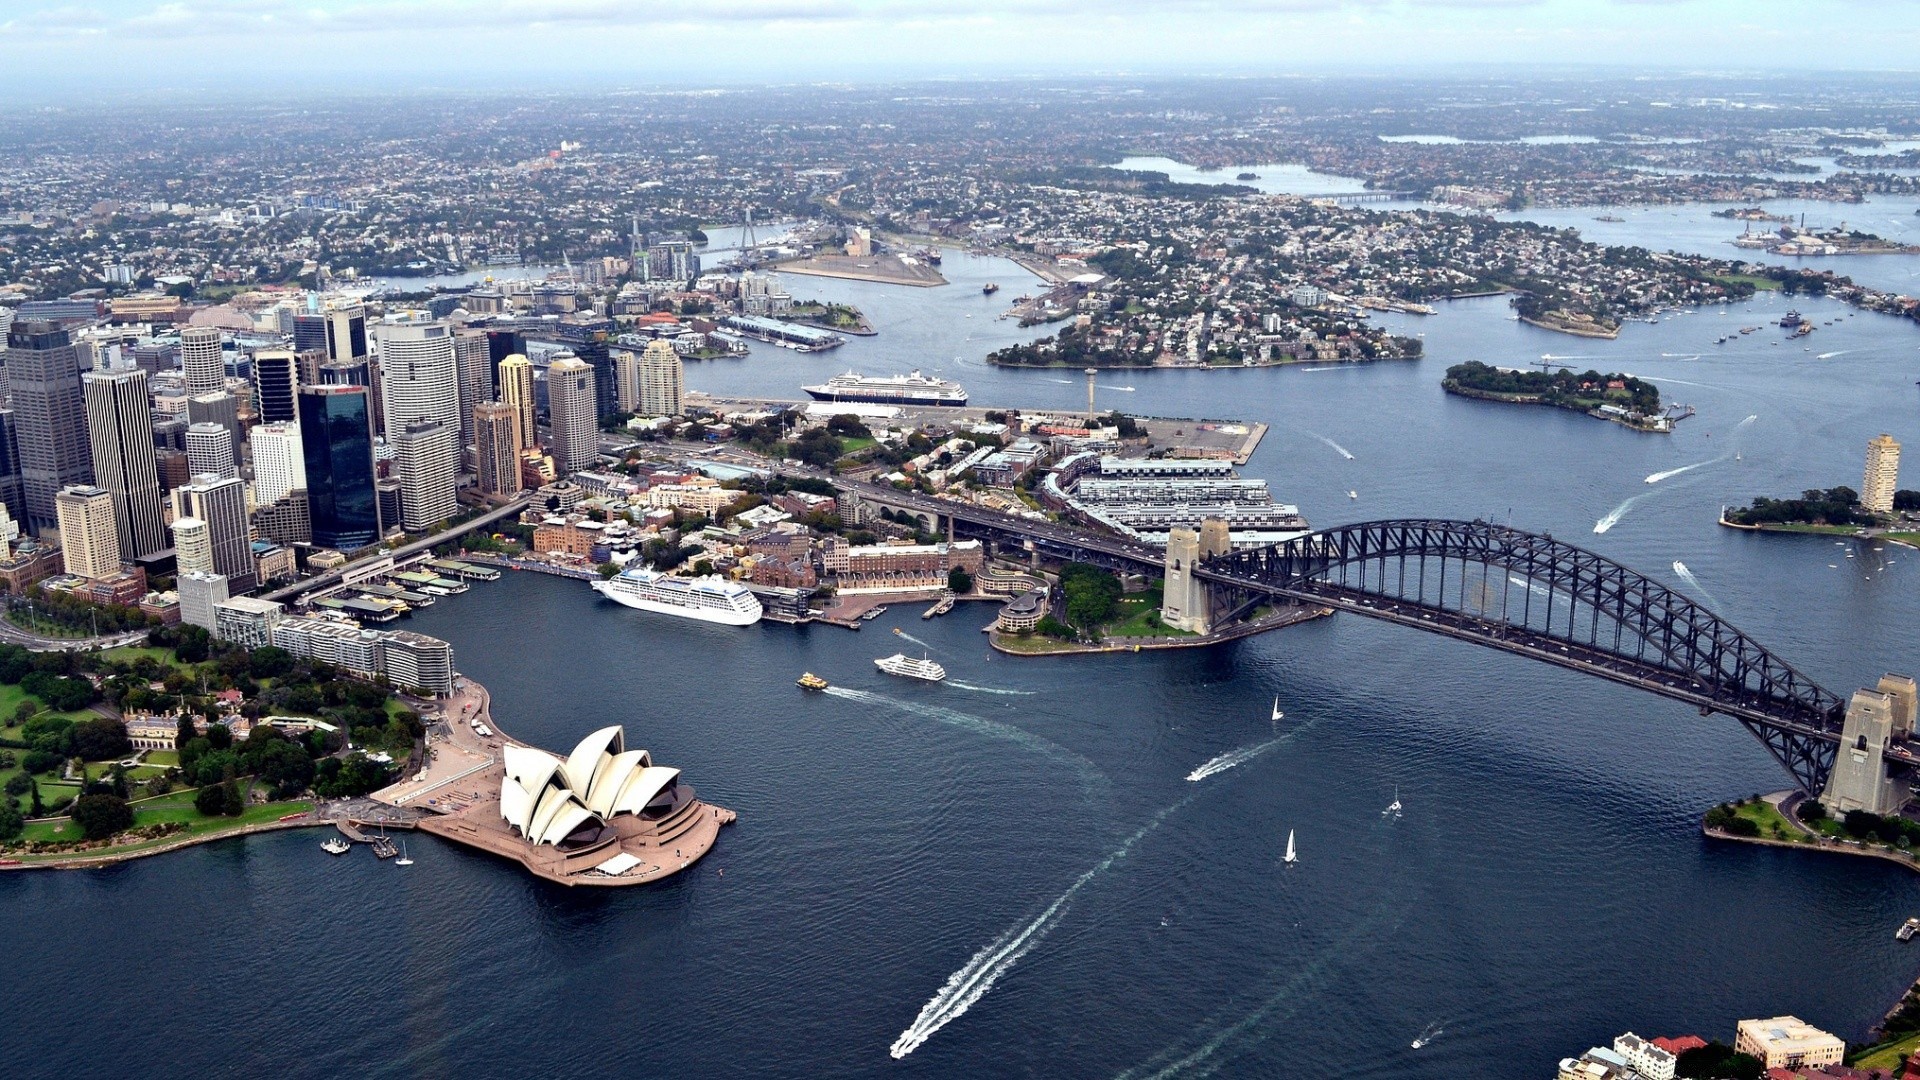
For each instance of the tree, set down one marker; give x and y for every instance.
(184, 733)
(11, 823)
(959, 581)
(210, 800)
(270, 662)
(607, 569)
(101, 740)
(101, 816)
(25, 711)
(232, 800)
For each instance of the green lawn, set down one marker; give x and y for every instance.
(1034, 645)
(10, 698)
(128, 653)
(1818, 530)
(1139, 618)
(162, 758)
(1763, 284)
(177, 806)
(1772, 825)
(1888, 1055)
(1911, 539)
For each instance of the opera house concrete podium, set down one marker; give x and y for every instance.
(603, 815)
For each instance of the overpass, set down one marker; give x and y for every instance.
(334, 577)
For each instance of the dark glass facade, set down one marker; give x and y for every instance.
(336, 434)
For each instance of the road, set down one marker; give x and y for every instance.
(15, 635)
(334, 577)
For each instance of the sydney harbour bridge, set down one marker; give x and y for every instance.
(1520, 592)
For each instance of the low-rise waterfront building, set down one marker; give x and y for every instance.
(1788, 1042)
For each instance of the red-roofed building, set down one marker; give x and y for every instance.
(1680, 1044)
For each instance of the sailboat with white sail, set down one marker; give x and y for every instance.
(1291, 856)
(1393, 808)
(1277, 714)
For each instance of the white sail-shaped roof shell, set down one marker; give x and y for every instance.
(547, 799)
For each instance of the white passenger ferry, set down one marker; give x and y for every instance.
(907, 666)
(709, 599)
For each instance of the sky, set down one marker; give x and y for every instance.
(56, 47)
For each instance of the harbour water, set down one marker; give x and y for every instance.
(1010, 874)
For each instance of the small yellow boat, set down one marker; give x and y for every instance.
(810, 681)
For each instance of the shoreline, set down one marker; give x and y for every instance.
(108, 857)
(1606, 335)
(1472, 394)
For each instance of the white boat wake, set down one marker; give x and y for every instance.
(976, 724)
(1427, 1035)
(988, 689)
(1680, 570)
(1614, 515)
(1234, 758)
(1659, 476)
(1550, 356)
(1537, 590)
(969, 984)
(1831, 355)
(1341, 450)
(1122, 389)
(904, 636)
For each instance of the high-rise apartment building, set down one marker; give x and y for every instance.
(201, 362)
(573, 414)
(427, 461)
(210, 451)
(473, 363)
(88, 537)
(626, 380)
(1883, 474)
(310, 332)
(276, 375)
(125, 459)
(192, 547)
(496, 449)
(336, 435)
(419, 375)
(662, 380)
(516, 392)
(221, 502)
(50, 413)
(346, 334)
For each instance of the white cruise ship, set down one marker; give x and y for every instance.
(902, 664)
(709, 599)
(914, 389)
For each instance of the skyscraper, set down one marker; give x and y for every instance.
(473, 362)
(496, 450)
(221, 502)
(201, 362)
(275, 377)
(1882, 476)
(336, 435)
(419, 375)
(50, 412)
(427, 460)
(573, 414)
(210, 451)
(279, 464)
(516, 392)
(13, 492)
(346, 334)
(310, 332)
(88, 538)
(661, 380)
(125, 460)
(626, 378)
(220, 408)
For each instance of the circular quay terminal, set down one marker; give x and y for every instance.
(1338, 539)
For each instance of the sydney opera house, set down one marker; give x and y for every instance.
(602, 815)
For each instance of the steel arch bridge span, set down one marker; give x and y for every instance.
(1534, 596)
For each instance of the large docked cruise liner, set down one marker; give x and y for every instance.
(914, 389)
(708, 599)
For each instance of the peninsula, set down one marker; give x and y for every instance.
(1617, 397)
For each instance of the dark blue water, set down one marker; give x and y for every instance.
(1547, 887)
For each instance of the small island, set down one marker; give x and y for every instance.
(1246, 176)
(1617, 397)
(1314, 338)
(840, 318)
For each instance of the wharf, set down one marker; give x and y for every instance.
(1178, 437)
(884, 269)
